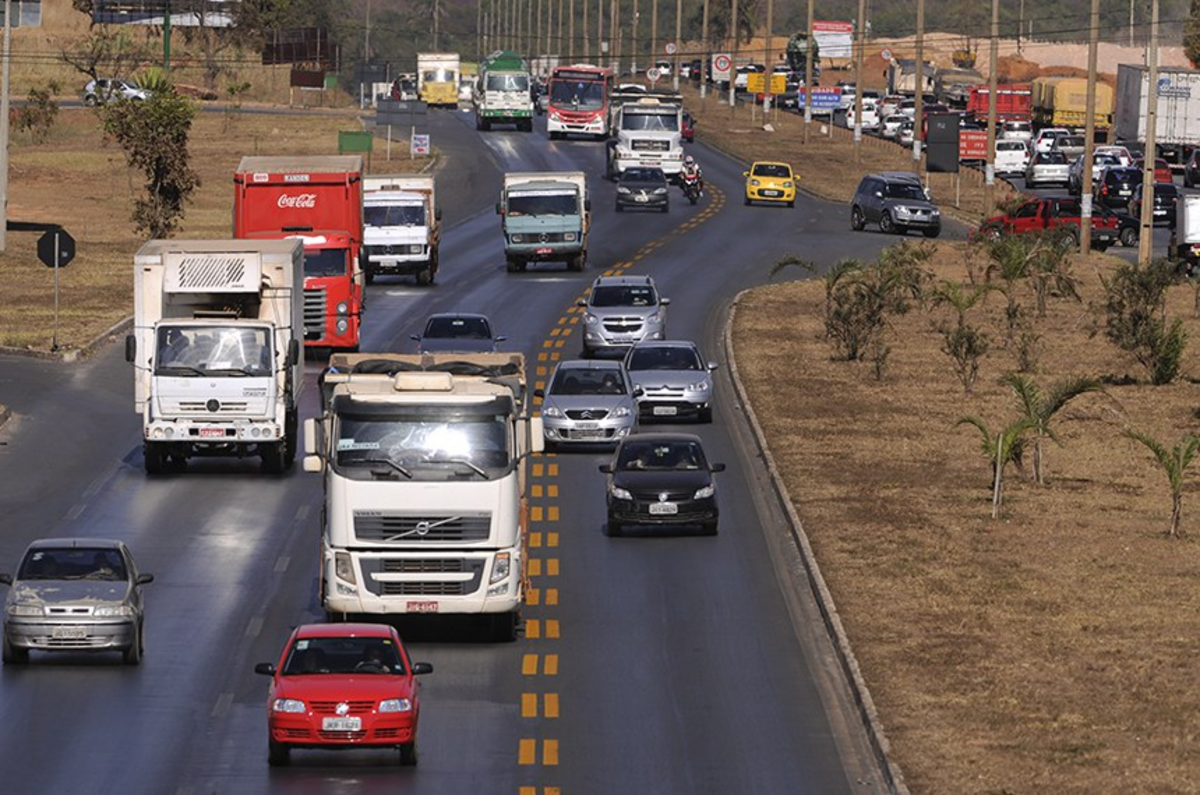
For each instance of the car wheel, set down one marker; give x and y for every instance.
(933, 232)
(278, 754)
(857, 221)
(886, 225)
(1103, 246)
(613, 529)
(709, 528)
(133, 654)
(706, 414)
(747, 201)
(620, 207)
(90, 101)
(12, 655)
(666, 208)
(408, 754)
(1129, 237)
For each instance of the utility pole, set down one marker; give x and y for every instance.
(558, 39)
(1146, 233)
(166, 32)
(858, 78)
(679, 34)
(571, 31)
(766, 106)
(733, 15)
(653, 31)
(633, 50)
(7, 56)
(614, 36)
(919, 78)
(587, 41)
(989, 190)
(706, 55)
(808, 74)
(1089, 135)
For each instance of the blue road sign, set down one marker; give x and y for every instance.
(823, 98)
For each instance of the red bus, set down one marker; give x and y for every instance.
(579, 97)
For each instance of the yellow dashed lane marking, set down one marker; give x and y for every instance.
(552, 538)
(550, 665)
(552, 628)
(551, 597)
(550, 701)
(533, 628)
(534, 565)
(552, 513)
(527, 752)
(529, 664)
(529, 705)
(535, 538)
(552, 567)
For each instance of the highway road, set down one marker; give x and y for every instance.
(665, 663)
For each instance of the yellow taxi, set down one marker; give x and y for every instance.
(770, 182)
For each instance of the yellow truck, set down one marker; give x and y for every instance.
(438, 78)
(1062, 102)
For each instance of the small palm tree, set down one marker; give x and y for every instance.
(1038, 410)
(1002, 448)
(1174, 462)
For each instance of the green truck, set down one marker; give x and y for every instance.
(545, 217)
(502, 92)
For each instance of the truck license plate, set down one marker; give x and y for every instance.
(545, 250)
(212, 433)
(421, 607)
(341, 724)
(663, 509)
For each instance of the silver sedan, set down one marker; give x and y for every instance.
(675, 380)
(588, 402)
(74, 594)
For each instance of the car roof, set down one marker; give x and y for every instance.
(768, 163)
(590, 364)
(663, 436)
(343, 629)
(85, 543)
(458, 316)
(899, 176)
(664, 344)
(607, 281)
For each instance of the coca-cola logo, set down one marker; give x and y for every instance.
(299, 201)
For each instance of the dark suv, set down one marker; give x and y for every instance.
(1117, 186)
(1191, 169)
(897, 202)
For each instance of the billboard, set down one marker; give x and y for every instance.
(834, 39)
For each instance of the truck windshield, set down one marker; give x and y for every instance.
(577, 94)
(204, 351)
(507, 82)
(542, 204)
(422, 448)
(440, 76)
(325, 262)
(394, 215)
(651, 121)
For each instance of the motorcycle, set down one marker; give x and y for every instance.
(691, 187)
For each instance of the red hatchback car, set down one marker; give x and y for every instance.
(340, 686)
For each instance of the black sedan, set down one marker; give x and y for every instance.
(457, 333)
(1166, 196)
(661, 479)
(643, 187)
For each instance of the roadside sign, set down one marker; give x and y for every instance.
(56, 248)
(885, 54)
(824, 97)
(652, 74)
(722, 65)
(671, 48)
(420, 145)
(972, 144)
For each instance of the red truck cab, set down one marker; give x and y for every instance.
(1040, 215)
(317, 199)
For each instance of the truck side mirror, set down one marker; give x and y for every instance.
(499, 209)
(587, 205)
(437, 213)
(310, 439)
(130, 348)
(537, 435)
(293, 353)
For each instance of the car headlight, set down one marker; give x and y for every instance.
(517, 239)
(395, 705)
(623, 190)
(109, 611)
(787, 185)
(501, 568)
(343, 567)
(655, 320)
(623, 411)
(659, 191)
(590, 319)
(619, 493)
(551, 411)
(705, 492)
(700, 386)
(288, 705)
(26, 610)
(754, 183)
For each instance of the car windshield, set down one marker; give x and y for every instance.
(471, 328)
(663, 358)
(425, 445)
(1052, 159)
(203, 351)
(623, 295)
(587, 381)
(343, 655)
(656, 454)
(904, 190)
(73, 563)
(394, 215)
(772, 170)
(643, 175)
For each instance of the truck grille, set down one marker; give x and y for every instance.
(398, 528)
(200, 407)
(423, 566)
(314, 313)
(650, 146)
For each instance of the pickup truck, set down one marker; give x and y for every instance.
(1039, 215)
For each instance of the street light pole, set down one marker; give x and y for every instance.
(989, 189)
(919, 80)
(858, 78)
(808, 74)
(679, 34)
(1089, 145)
(1146, 233)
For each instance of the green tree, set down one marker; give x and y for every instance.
(1191, 34)
(1004, 447)
(1174, 463)
(154, 137)
(1038, 410)
(1136, 322)
(961, 341)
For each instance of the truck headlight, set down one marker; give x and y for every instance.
(343, 567)
(569, 237)
(343, 308)
(501, 567)
(517, 239)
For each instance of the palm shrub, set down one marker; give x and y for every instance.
(1038, 409)
(1136, 322)
(1174, 464)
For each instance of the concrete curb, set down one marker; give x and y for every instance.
(73, 354)
(824, 599)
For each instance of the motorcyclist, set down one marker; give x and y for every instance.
(691, 170)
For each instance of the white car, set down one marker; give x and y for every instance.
(1047, 168)
(1016, 130)
(905, 135)
(102, 90)
(1115, 150)
(870, 115)
(1046, 137)
(890, 128)
(1012, 156)
(1100, 161)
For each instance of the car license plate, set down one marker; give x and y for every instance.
(582, 435)
(421, 607)
(663, 509)
(665, 411)
(212, 433)
(68, 633)
(587, 426)
(341, 724)
(770, 193)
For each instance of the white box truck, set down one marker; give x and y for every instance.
(424, 460)
(402, 227)
(216, 349)
(1177, 130)
(1187, 233)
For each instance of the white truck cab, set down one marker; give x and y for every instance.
(648, 134)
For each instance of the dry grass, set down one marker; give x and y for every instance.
(1053, 650)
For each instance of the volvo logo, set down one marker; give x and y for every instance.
(423, 528)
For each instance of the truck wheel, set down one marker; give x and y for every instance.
(290, 426)
(369, 275)
(527, 125)
(502, 627)
(425, 277)
(156, 458)
(274, 458)
(578, 263)
(513, 266)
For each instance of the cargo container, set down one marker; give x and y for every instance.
(1014, 102)
(1062, 102)
(1177, 127)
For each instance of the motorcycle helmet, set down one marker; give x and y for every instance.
(689, 161)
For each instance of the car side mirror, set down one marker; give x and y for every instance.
(266, 669)
(500, 338)
(638, 392)
(745, 173)
(606, 468)
(416, 337)
(6, 579)
(539, 393)
(878, 194)
(437, 214)
(665, 301)
(130, 348)
(144, 579)
(713, 366)
(293, 354)
(580, 302)
(716, 468)
(587, 205)
(422, 668)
